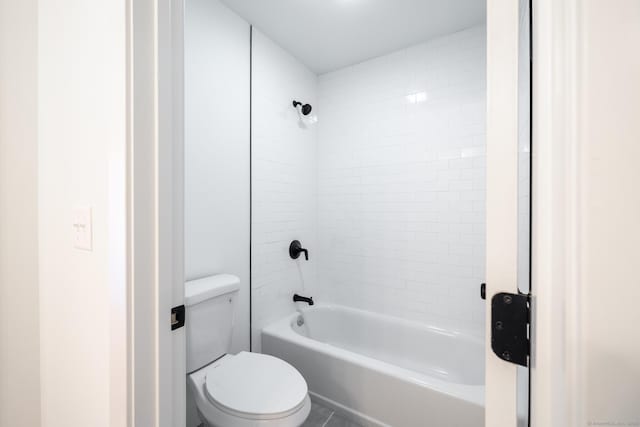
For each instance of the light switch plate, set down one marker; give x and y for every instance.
(82, 228)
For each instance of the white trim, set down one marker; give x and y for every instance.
(142, 213)
(502, 196)
(571, 41)
(555, 388)
(179, 351)
(556, 365)
(170, 190)
(155, 178)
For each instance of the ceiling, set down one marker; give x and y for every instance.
(330, 34)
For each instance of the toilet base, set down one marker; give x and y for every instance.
(225, 420)
(212, 416)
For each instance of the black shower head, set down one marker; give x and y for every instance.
(305, 109)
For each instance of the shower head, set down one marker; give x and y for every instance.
(304, 109)
(304, 113)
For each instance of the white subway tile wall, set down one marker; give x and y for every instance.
(401, 183)
(284, 183)
(387, 191)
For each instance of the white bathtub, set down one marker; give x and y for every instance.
(384, 371)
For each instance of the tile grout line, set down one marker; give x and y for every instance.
(328, 419)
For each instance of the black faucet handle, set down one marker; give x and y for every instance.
(295, 248)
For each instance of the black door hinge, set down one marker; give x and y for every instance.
(510, 320)
(177, 317)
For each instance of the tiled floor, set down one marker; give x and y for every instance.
(321, 416)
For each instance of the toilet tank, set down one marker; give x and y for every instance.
(209, 304)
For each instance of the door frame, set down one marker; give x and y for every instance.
(502, 197)
(155, 110)
(156, 362)
(556, 361)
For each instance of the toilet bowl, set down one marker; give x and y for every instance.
(250, 389)
(241, 390)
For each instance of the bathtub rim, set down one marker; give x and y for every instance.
(475, 335)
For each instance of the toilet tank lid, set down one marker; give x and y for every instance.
(209, 287)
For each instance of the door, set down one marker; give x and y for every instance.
(508, 212)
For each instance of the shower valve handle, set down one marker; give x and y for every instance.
(295, 248)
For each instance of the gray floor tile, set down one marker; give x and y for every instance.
(318, 416)
(339, 421)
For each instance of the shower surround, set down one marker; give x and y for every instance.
(386, 190)
(401, 182)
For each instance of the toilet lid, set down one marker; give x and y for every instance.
(253, 385)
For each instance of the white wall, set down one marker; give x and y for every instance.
(401, 189)
(217, 174)
(19, 309)
(283, 182)
(608, 93)
(217, 154)
(82, 124)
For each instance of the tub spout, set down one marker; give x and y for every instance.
(298, 298)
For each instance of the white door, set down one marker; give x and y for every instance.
(508, 213)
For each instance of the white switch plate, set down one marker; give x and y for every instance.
(82, 228)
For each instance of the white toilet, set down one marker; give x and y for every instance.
(242, 390)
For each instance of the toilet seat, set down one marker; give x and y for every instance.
(255, 386)
(250, 389)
